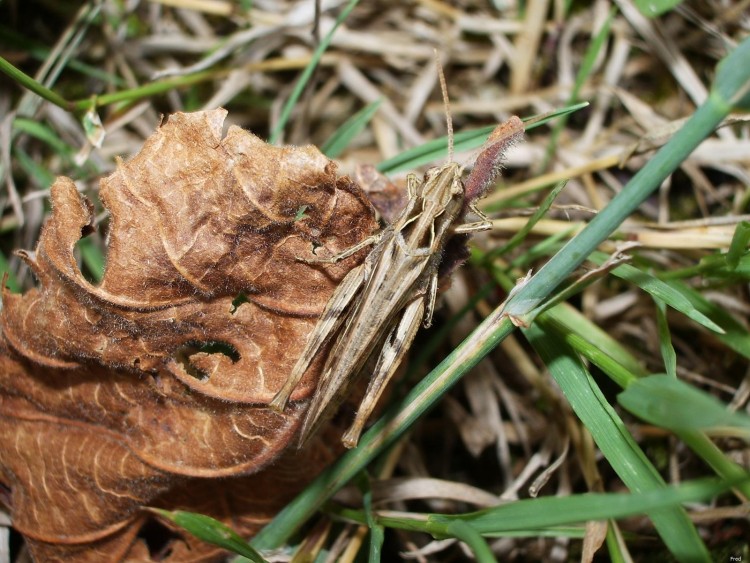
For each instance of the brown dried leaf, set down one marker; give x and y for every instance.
(386, 197)
(109, 398)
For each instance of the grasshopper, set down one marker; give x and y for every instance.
(383, 301)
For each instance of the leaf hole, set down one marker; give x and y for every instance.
(191, 347)
(90, 257)
(159, 539)
(237, 301)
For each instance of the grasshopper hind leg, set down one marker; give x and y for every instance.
(332, 317)
(395, 347)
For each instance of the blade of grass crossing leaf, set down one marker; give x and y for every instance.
(614, 440)
(665, 339)
(211, 531)
(304, 78)
(352, 127)
(738, 247)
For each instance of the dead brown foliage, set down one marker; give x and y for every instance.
(106, 394)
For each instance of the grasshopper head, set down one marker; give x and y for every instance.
(443, 184)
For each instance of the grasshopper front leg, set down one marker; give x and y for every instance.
(484, 223)
(344, 254)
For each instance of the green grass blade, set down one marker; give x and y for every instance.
(660, 290)
(33, 169)
(468, 534)
(464, 141)
(733, 333)
(377, 537)
(92, 257)
(698, 127)
(595, 344)
(42, 132)
(555, 511)
(304, 78)
(32, 85)
(617, 550)
(655, 8)
(738, 246)
(587, 66)
(211, 531)
(434, 150)
(671, 403)
(518, 238)
(743, 267)
(600, 349)
(716, 459)
(665, 339)
(552, 516)
(41, 52)
(586, 338)
(615, 442)
(11, 283)
(352, 127)
(732, 82)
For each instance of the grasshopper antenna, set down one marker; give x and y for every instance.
(446, 105)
